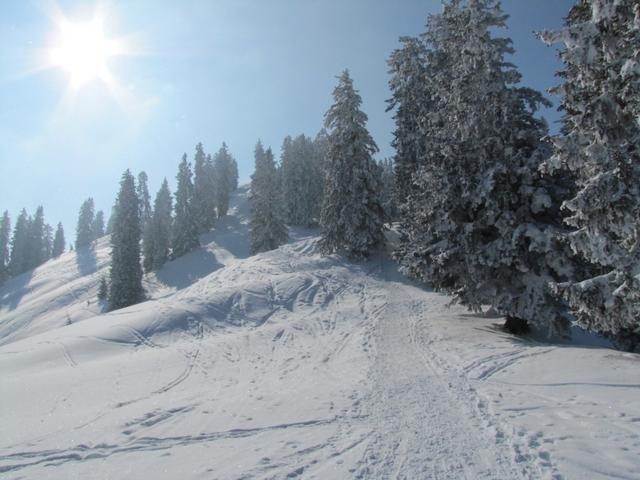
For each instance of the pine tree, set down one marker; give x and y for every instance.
(267, 228)
(48, 241)
(126, 272)
(144, 199)
(84, 230)
(203, 191)
(389, 190)
(185, 229)
(98, 225)
(58, 241)
(5, 234)
(480, 221)
(225, 169)
(600, 144)
(19, 261)
(36, 245)
(157, 236)
(352, 217)
(301, 177)
(410, 102)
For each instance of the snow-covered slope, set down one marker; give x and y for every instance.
(64, 290)
(293, 365)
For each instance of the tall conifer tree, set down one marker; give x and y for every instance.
(126, 272)
(185, 228)
(352, 217)
(267, 227)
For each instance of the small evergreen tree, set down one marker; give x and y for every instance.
(48, 241)
(389, 191)
(126, 272)
(58, 241)
(84, 230)
(5, 234)
(352, 217)
(600, 144)
(267, 227)
(185, 228)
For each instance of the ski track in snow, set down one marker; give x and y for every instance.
(293, 365)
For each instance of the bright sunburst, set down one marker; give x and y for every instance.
(83, 50)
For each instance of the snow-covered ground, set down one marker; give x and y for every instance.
(293, 365)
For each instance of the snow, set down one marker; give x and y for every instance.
(289, 364)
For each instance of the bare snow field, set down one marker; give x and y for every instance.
(293, 365)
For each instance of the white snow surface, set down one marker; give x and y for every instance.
(293, 365)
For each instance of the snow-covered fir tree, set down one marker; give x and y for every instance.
(185, 229)
(126, 271)
(19, 259)
(157, 236)
(5, 236)
(267, 226)
(600, 144)
(389, 191)
(84, 229)
(98, 225)
(480, 221)
(36, 246)
(352, 216)
(48, 241)
(301, 177)
(410, 103)
(225, 174)
(144, 198)
(203, 191)
(59, 241)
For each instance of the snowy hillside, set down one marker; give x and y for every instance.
(293, 365)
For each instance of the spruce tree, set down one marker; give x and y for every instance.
(126, 272)
(203, 191)
(480, 221)
(48, 241)
(352, 217)
(301, 177)
(389, 190)
(5, 235)
(267, 227)
(84, 229)
(157, 236)
(98, 225)
(112, 218)
(225, 170)
(410, 102)
(58, 241)
(600, 144)
(19, 260)
(144, 199)
(36, 245)
(185, 228)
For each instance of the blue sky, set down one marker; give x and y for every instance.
(209, 71)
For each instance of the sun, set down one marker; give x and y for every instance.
(83, 51)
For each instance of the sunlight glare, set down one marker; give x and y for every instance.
(83, 50)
